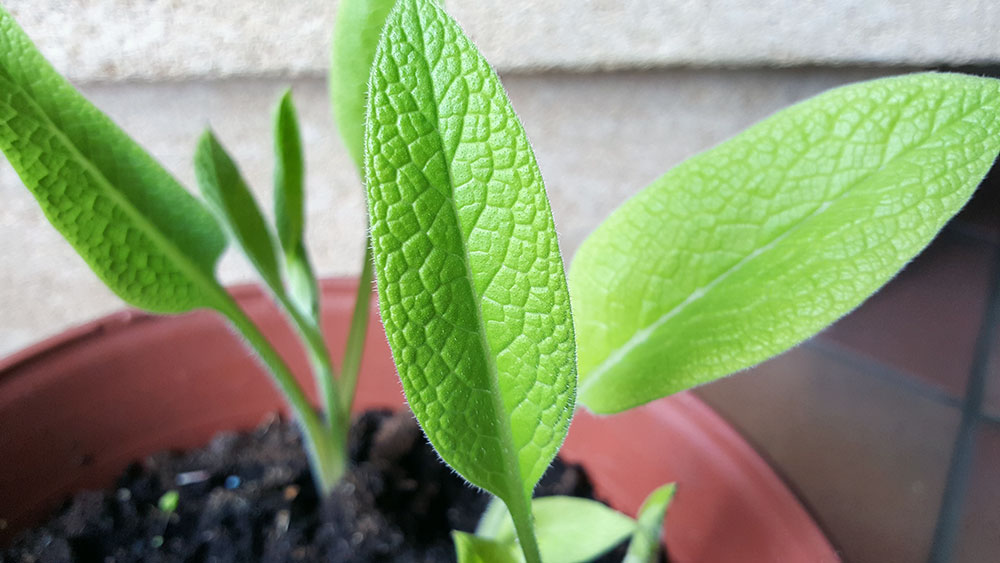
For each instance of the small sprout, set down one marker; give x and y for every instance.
(168, 502)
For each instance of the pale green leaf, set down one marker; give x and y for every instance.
(645, 544)
(471, 284)
(228, 195)
(149, 240)
(473, 549)
(747, 249)
(289, 208)
(492, 519)
(571, 529)
(356, 32)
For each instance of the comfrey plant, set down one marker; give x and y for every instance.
(728, 259)
(731, 257)
(157, 247)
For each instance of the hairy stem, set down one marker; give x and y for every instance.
(520, 513)
(325, 447)
(356, 337)
(337, 416)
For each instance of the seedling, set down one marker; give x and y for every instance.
(168, 506)
(156, 246)
(730, 258)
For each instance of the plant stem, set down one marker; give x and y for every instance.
(325, 447)
(337, 416)
(524, 525)
(356, 336)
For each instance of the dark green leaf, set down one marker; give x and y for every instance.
(289, 209)
(230, 198)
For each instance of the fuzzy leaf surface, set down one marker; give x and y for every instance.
(747, 249)
(144, 236)
(645, 544)
(356, 33)
(470, 279)
(228, 194)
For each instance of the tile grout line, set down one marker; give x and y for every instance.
(971, 233)
(949, 515)
(881, 371)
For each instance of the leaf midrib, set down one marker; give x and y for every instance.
(511, 463)
(641, 336)
(184, 264)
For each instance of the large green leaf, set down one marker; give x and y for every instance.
(471, 283)
(571, 529)
(356, 33)
(230, 197)
(138, 229)
(747, 249)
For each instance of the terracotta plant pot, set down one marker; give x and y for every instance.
(77, 409)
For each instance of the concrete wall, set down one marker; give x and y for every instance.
(167, 69)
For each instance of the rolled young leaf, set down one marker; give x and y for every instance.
(470, 279)
(645, 544)
(747, 249)
(355, 36)
(289, 209)
(228, 194)
(143, 234)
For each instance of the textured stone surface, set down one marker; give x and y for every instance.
(598, 138)
(157, 39)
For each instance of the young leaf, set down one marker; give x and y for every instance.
(492, 519)
(227, 193)
(356, 32)
(289, 208)
(471, 283)
(571, 529)
(146, 238)
(747, 249)
(645, 544)
(472, 549)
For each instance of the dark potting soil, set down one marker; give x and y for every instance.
(250, 497)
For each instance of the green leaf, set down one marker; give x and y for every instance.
(146, 238)
(645, 544)
(470, 279)
(572, 529)
(472, 549)
(492, 518)
(747, 249)
(289, 197)
(356, 32)
(230, 198)
(289, 208)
